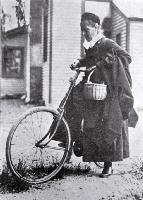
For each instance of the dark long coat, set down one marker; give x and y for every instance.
(105, 136)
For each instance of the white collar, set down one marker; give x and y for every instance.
(95, 39)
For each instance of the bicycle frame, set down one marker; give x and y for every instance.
(60, 110)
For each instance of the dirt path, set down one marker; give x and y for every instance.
(125, 183)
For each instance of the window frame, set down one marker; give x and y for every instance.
(5, 74)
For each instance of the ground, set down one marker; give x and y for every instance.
(125, 183)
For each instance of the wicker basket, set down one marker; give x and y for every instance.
(94, 91)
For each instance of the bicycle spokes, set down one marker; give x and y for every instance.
(37, 163)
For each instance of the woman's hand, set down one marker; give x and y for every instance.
(75, 64)
(109, 58)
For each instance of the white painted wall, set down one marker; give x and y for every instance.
(136, 67)
(66, 44)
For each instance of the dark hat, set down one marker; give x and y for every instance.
(90, 16)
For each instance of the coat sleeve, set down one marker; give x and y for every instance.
(122, 54)
(88, 61)
(109, 47)
(119, 51)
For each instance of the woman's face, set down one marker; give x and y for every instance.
(89, 29)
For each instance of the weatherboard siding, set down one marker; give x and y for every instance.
(119, 25)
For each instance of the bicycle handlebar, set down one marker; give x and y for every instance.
(87, 69)
(78, 70)
(83, 69)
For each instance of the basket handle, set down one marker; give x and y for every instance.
(89, 76)
(88, 79)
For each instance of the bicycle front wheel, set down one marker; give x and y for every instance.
(34, 163)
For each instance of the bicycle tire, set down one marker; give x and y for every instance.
(22, 154)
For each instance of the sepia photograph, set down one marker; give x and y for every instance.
(71, 99)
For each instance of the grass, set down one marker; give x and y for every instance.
(11, 184)
(71, 169)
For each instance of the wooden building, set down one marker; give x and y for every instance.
(22, 49)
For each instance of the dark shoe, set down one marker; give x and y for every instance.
(78, 148)
(107, 171)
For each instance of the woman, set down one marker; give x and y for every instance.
(105, 137)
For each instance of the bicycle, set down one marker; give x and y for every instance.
(33, 150)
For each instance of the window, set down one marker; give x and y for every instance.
(118, 39)
(13, 61)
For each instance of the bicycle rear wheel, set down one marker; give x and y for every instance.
(34, 163)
